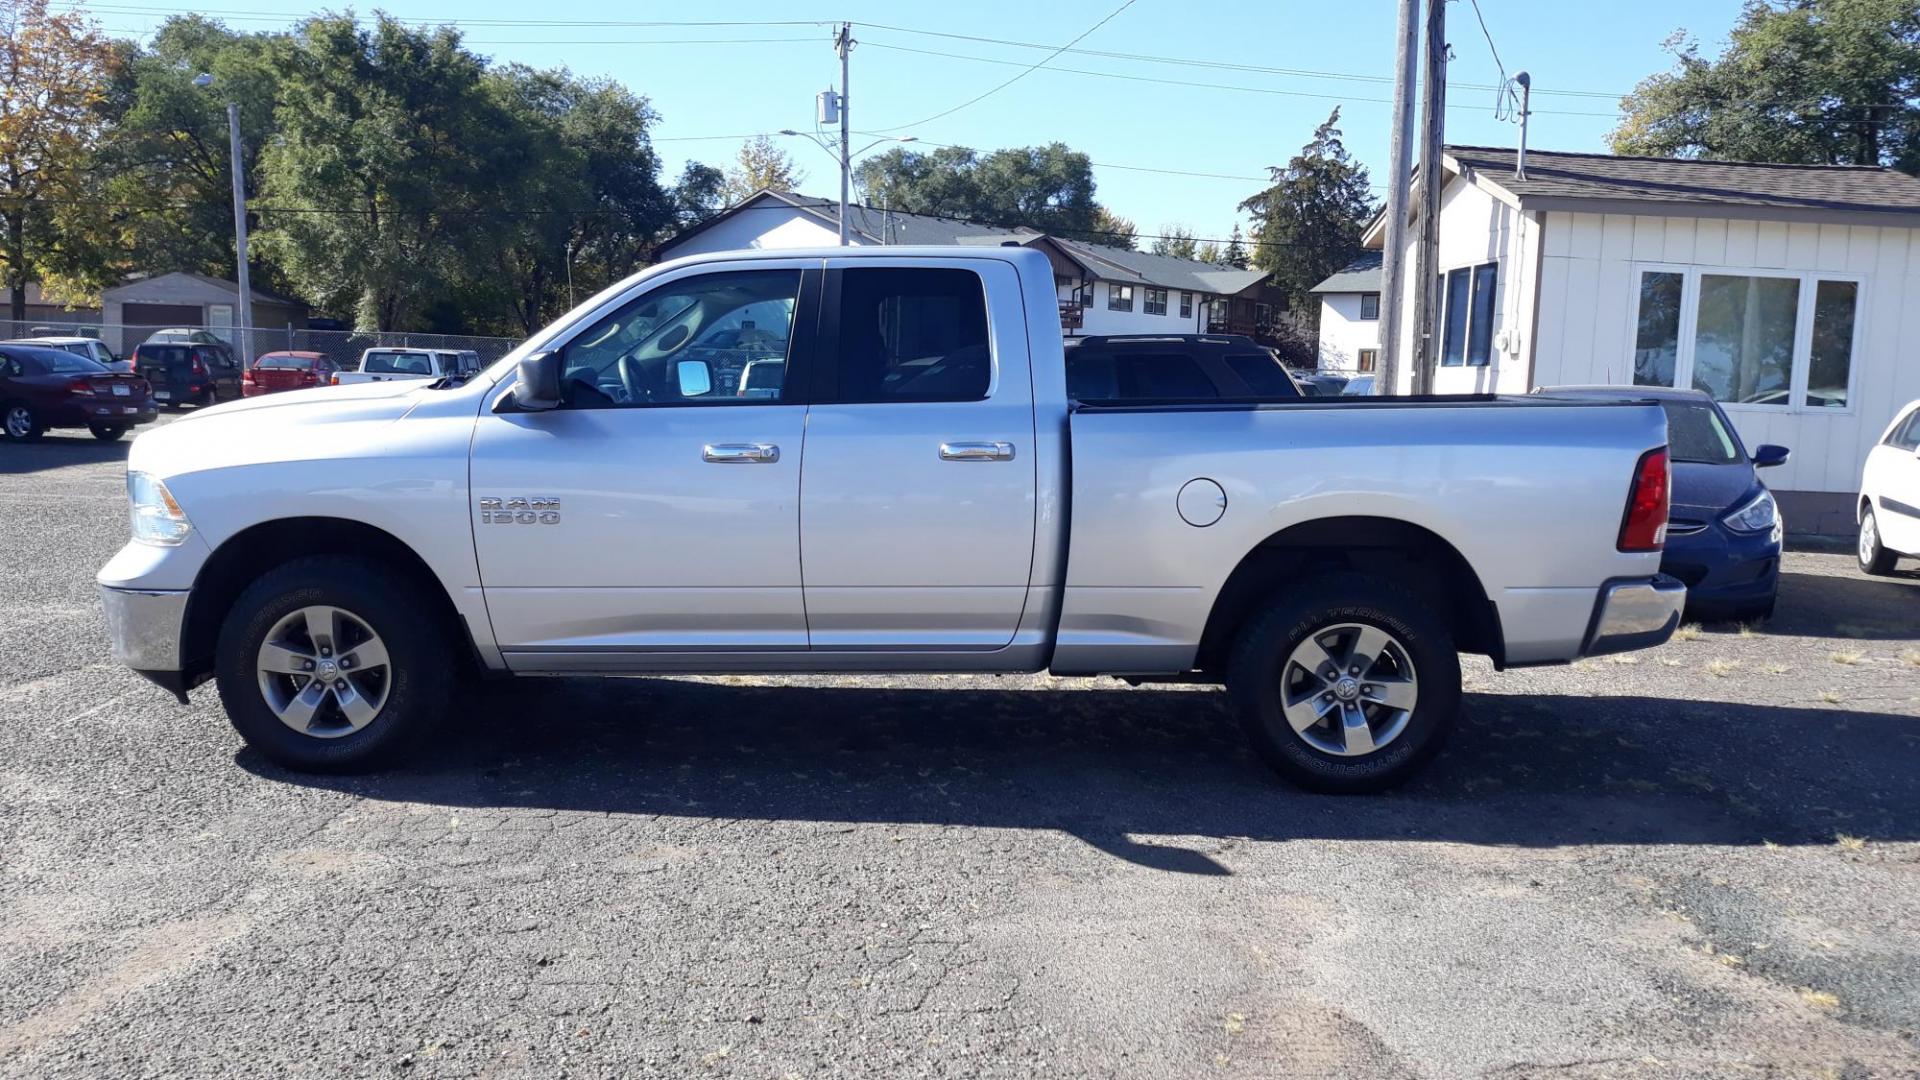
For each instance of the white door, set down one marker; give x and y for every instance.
(655, 511)
(917, 505)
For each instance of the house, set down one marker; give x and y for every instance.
(134, 310)
(1789, 292)
(1101, 289)
(46, 317)
(1350, 317)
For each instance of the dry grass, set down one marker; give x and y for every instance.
(1747, 630)
(1849, 843)
(1690, 632)
(1911, 657)
(1847, 657)
(1720, 669)
(1776, 669)
(1819, 999)
(1626, 658)
(1236, 1023)
(1831, 697)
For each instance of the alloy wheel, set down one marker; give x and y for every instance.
(1349, 689)
(1869, 539)
(324, 672)
(19, 422)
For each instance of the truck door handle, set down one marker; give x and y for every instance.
(740, 453)
(976, 451)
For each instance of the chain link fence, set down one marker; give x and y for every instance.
(342, 347)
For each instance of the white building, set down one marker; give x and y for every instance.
(1350, 317)
(1789, 292)
(1102, 290)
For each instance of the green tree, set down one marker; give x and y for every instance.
(1175, 241)
(700, 193)
(1308, 223)
(1823, 82)
(1113, 230)
(1049, 188)
(392, 163)
(166, 158)
(54, 73)
(1236, 253)
(761, 166)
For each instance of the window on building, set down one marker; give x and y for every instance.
(1186, 305)
(1369, 305)
(1656, 346)
(1119, 297)
(1369, 359)
(1468, 304)
(1156, 302)
(1778, 340)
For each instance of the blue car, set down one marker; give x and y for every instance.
(1723, 532)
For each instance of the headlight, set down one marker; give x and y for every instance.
(1758, 515)
(157, 519)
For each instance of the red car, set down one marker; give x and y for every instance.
(43, 388)
(286, 370)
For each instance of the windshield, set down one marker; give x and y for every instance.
(1697, 434)
(381, 362)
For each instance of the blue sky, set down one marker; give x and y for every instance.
(761, 78)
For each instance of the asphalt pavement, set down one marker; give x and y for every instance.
(1701, 860)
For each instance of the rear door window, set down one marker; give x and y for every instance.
(1262, 374)
(1162, 375)
(910, 334)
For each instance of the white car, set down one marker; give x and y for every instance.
(1889, 508)
(92, 348)
(403, 364)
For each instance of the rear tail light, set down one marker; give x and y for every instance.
(1645, 526)
(335, 381)
(198, 367)
(81, 387)
(247, 376)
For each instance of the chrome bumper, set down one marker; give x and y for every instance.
(1635, 613)
(146, 625)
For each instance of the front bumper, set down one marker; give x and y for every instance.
(1634, 613)
(146, 627)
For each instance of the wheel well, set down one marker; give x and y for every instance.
(1402, 551)
(252, 552)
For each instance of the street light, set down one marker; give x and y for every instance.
(845, 161)
(204, 80)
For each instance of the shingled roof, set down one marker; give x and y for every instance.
(1554, 176)
(1363, 274)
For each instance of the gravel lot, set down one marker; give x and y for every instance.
(1698, 861)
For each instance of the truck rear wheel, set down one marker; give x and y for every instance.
(1346, 683)
(333, 664)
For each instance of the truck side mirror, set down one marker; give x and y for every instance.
(1767, 455)
(538, 388)
(696, 378)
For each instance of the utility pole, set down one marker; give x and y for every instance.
(1393, 285)
(1427, 343)
(843, 44)
(241, 275)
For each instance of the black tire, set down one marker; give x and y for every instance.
(19, 422)
(1309, 609)
(423, 661)
(1873, 555)
(208, 399)
(107, 432)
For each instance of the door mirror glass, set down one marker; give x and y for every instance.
(1767, 455)
(696, 378)
(538, 388)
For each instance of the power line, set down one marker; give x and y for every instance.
(1200, 85)
(1028, 70)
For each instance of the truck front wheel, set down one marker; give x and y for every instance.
(333, 664)
(1346, 683)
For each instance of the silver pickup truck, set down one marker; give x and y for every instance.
(917, 494)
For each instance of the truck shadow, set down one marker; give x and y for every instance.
(60, 448)
(1850, 605)
(1159, 777)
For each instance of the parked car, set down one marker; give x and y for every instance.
(1169, 367)
(188, 374)
(601, 506)
(402, 364)
(288, 370)
(1724, 532)
(92, 348)
(43, 388)
(1889, 507)
(1320, 383)
(1358, 386)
